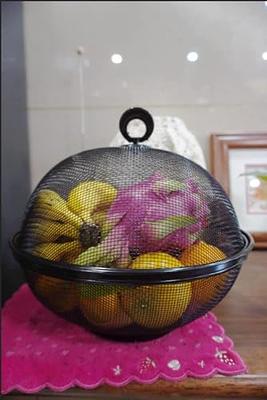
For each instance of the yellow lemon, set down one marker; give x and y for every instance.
(156, 306)
(104, 311)
(60, 295)
(199, 254)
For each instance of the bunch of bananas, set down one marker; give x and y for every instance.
(65, 228)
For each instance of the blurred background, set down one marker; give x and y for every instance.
(69, 69)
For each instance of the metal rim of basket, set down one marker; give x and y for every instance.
(106, 275)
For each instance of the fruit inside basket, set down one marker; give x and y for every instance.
(130, 241)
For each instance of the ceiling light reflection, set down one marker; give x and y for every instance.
(192, 56)
(116, 58)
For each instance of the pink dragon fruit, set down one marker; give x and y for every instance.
(153, 215)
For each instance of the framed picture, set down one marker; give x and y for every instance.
(239, 163)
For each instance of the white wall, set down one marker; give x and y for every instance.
(226, 89)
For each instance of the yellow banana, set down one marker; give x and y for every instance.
(100, 219)
(51, 231)
(71, 257)
(50, 205)
(91, 196)
(95, 256)
(101, 255)
(58, 251)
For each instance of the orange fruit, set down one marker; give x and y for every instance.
(198, 254)
(201, 253)
(60, 295)
(156, 306)
(104, 311)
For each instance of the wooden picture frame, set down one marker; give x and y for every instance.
(220, 146)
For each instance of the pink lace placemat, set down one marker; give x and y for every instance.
(39, 349)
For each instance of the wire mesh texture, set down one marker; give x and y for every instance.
(130, 211)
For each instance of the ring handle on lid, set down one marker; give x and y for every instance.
(136, 113)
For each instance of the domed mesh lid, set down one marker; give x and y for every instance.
(106, 206)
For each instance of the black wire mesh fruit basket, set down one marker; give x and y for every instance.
(130, 241)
